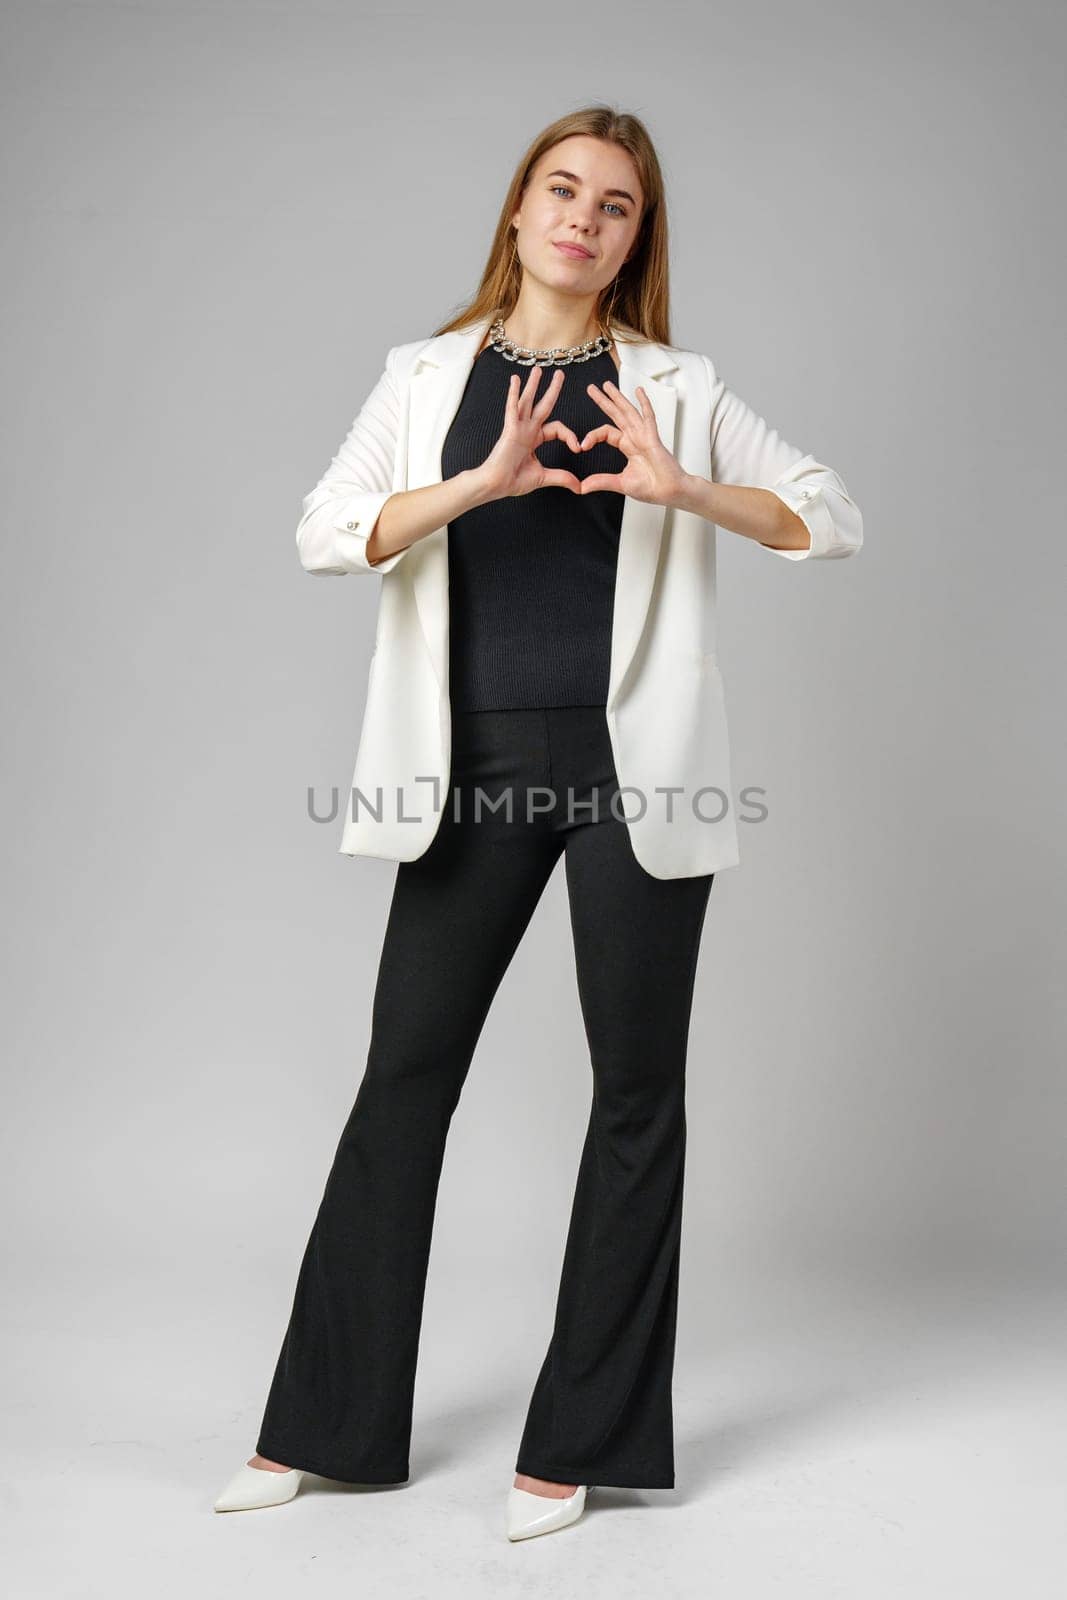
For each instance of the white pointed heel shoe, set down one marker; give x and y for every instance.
(252, 1487)
(531, 1514)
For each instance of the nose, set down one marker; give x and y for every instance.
(580, 216)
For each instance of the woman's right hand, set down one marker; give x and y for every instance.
(511, 468)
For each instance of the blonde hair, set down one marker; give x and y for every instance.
(637, 299)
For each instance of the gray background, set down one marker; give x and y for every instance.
(217, 219)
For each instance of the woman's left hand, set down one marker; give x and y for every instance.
(651, 473)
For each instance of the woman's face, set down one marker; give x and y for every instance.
(584, 192)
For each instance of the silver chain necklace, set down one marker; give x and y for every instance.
(557, 357)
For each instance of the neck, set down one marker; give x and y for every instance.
(549, 340)
(550, 327)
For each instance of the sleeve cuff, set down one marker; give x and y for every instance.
(809, 503)
(355, 523)
(351, 523)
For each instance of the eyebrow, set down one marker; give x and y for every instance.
(574, 178)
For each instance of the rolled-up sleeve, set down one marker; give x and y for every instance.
(340, 512)
(746, 451)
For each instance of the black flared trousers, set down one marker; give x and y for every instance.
(341, 1400)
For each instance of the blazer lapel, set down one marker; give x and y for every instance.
(434, 394)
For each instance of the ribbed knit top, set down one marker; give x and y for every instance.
(532, 577)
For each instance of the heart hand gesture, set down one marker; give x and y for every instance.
(651, 473)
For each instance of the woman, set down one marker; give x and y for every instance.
(551, 619)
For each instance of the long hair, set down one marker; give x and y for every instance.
(637, 299)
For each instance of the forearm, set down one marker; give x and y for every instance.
(412, 514)
(754, 513)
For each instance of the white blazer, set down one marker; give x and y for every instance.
(665, 709)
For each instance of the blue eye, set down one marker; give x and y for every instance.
(566, 190)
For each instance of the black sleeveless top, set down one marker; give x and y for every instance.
(532, 577)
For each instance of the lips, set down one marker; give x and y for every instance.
(575, 251)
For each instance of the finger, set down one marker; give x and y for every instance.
(529, 388)
(605, 434)
(603, 480)
(605, 401)
(511, 399)
(533, 384)
(558, 478)
(616, 405)
(522, 394)
(625, 405)
(548, 399)
(559, 430)
(646, 409)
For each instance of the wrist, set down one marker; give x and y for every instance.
(686, 495)
(480, 486)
